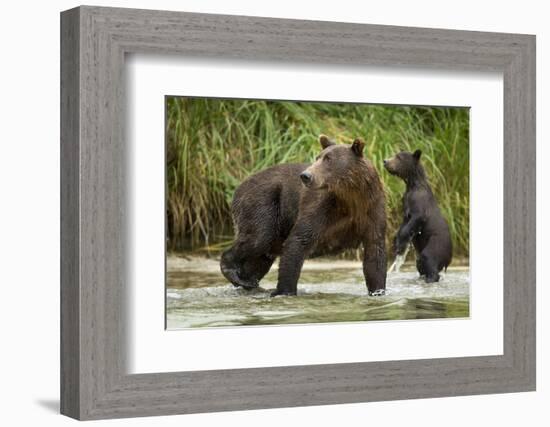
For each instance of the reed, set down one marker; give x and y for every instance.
(213, 144)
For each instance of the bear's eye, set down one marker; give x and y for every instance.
(326, 158)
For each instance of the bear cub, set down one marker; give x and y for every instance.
(422, 219)
(298, 211)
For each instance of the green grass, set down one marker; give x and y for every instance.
(212, 145)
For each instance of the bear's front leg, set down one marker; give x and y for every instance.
(295, 249)
(405, 234)
(374, 266)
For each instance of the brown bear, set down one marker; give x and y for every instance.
(423, 223)
(297, 211)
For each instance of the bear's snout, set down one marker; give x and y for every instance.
(306, 177)
(388, 165)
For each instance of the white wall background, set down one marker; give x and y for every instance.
(29, 213)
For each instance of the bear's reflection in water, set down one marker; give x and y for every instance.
(330, 291)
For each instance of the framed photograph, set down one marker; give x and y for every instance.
(261, 213)
(233, 219)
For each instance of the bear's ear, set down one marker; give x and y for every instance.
(325, 142)
(357, 147)
(417, 154)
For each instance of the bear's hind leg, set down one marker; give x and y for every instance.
(253, 253)
(245, 264)
(420, 266)
(428, 266)
(254, 269)
(231, 267)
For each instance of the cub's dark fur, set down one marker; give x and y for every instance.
(422, 219)
(297, 211)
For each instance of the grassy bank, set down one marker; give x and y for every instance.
(212, 145)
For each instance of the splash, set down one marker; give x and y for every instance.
(329, 291)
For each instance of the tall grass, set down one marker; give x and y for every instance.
(212, 145)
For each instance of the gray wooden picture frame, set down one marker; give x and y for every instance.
(94, 382)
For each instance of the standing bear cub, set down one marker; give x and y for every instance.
(422, 219)
(297, 211)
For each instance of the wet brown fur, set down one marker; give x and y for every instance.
(275, 214)
(423, 223)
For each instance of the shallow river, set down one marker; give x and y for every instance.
(328, 291)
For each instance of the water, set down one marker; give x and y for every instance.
(328, 291)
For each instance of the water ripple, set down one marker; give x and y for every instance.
(328, 292)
